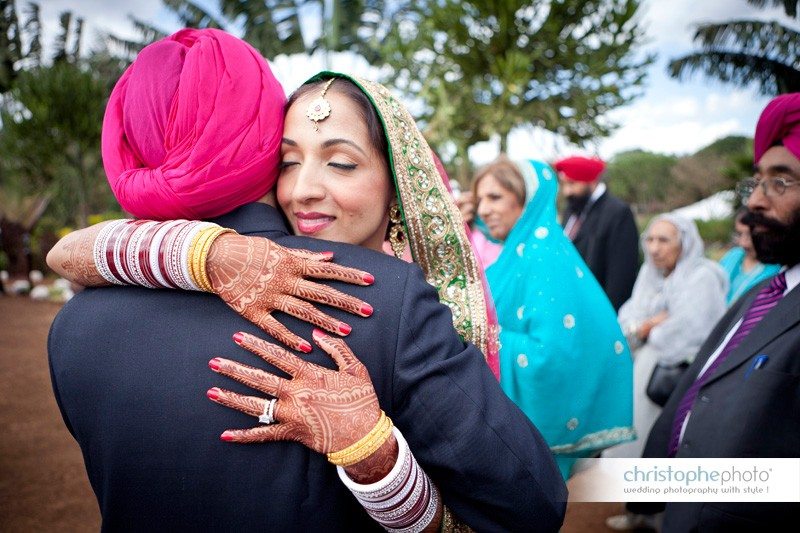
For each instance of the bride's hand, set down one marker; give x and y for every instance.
(326, 410)
(255, 276)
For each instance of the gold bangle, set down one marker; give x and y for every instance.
(198, 253)
(203, 267)
(197, 259)
(365, 446)
(193, 258)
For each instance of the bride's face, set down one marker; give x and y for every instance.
(333, 184)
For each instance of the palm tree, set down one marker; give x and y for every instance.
(743, 52)
(276, 27)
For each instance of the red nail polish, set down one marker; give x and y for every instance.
(213, 393)
(226, 436)
(369, 279)
(328, 255)
(215, 364)
(366, 310)
(305, 347)
(238, 337)
(344, 329)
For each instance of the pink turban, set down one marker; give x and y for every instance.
(581, 169)
(779, 124)
(193, 127)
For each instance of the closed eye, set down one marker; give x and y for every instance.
(287, 164)
(343, 166)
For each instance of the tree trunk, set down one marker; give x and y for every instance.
(463, 169)
(504, 142)
(16, 245)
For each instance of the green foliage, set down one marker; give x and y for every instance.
(639, 178)
(716, 231)
(10, 43)
(276, 27)
(728, 146)
(51, 140)
(482, 68)
(745, 52)
(654, 183)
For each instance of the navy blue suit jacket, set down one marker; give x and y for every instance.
(130, 372)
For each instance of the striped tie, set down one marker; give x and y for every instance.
(765, 300)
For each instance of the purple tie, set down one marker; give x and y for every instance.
(765, 300)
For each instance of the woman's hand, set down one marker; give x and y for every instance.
(255, 276)
(648, 325)
(326, 410)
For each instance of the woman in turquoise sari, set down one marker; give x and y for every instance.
(563, 357)
(741, 264)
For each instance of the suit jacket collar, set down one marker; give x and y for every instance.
(587, 211)
(785, 315)
(255, 219)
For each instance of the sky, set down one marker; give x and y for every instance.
(669, 117)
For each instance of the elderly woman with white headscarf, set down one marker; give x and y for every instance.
(678, 297)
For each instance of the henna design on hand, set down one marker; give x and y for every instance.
(77, 262)
(255, 276)
(326, 410)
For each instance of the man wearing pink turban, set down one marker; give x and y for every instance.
(193, 129)
(741, 396)
(600, 225)
(187, 133)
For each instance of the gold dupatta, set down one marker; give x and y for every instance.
(433, 224)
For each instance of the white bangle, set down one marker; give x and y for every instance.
(155, 248)
(99, 252)
(389, 482)
(132, 254)
(185, 259)
(118, 252)
(405, 500)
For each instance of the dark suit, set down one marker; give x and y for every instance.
(739, 416)
(609, 243)
(129, 370)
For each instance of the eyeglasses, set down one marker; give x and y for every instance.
(774, 186)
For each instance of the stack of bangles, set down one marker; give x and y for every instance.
(156, 254)
(403, 501)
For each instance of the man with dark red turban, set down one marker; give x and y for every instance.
(741, 396)
(600, 226)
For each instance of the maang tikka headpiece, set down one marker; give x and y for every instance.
(319, 108)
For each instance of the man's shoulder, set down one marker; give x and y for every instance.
(611, 203)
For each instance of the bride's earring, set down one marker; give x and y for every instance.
(397, 237)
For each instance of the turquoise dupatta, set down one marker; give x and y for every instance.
(741, 281)
(563, 358)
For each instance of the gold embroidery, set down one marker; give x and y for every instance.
(598, 440)
(434, 226)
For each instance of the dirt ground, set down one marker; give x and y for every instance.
(43, 486)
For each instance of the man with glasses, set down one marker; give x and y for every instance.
(741, 396)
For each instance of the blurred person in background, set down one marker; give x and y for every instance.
(678, 297)
(741, 263)
(563, 358)
(741, 396)
(600, 225)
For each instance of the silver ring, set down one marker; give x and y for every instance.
(268, 416)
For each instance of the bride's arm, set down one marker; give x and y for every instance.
(253, 275)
